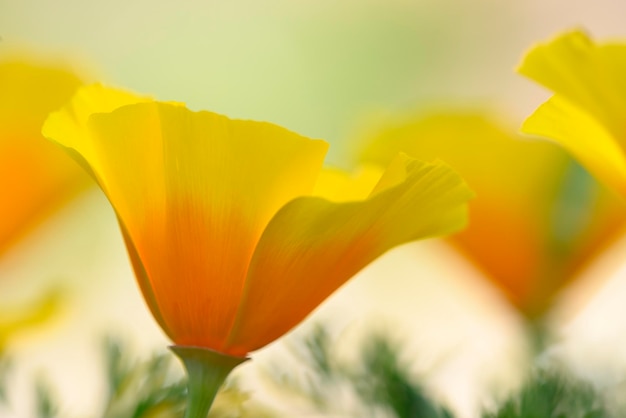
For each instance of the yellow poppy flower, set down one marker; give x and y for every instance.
(35, 176)
(586, 113)
(229, 246)
(537, 219)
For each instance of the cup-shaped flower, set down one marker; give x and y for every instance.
(538, 218)
(586, 114)
(35, 176)
(230, 248)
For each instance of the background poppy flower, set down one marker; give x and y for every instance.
(538, 218)
(36, 178)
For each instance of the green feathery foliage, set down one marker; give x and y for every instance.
(141, 389)
(553, 394)
(379, 379)
(377, 383)
(136, 388)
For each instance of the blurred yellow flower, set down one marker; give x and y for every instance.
(35, 176)
(537, 219)
(586, 114)
(228, 249)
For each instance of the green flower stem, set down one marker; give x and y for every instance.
(538, 335)
(206, 371)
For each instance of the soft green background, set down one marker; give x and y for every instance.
(317, 67)
(314, 66)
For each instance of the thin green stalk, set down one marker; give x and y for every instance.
(206, 371)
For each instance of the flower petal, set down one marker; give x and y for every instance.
(586, 139)
(29, 93)
(68, 126)
(312, 246)
(194, 191)
(340, 186)
(589, 76)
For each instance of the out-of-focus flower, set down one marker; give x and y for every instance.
(14, 319)
(537, 219)
(35, 176)
(586, 114)
(228, 249)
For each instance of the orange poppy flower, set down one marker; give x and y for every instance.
(229, 251)
(538, 217)
(228, 230)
